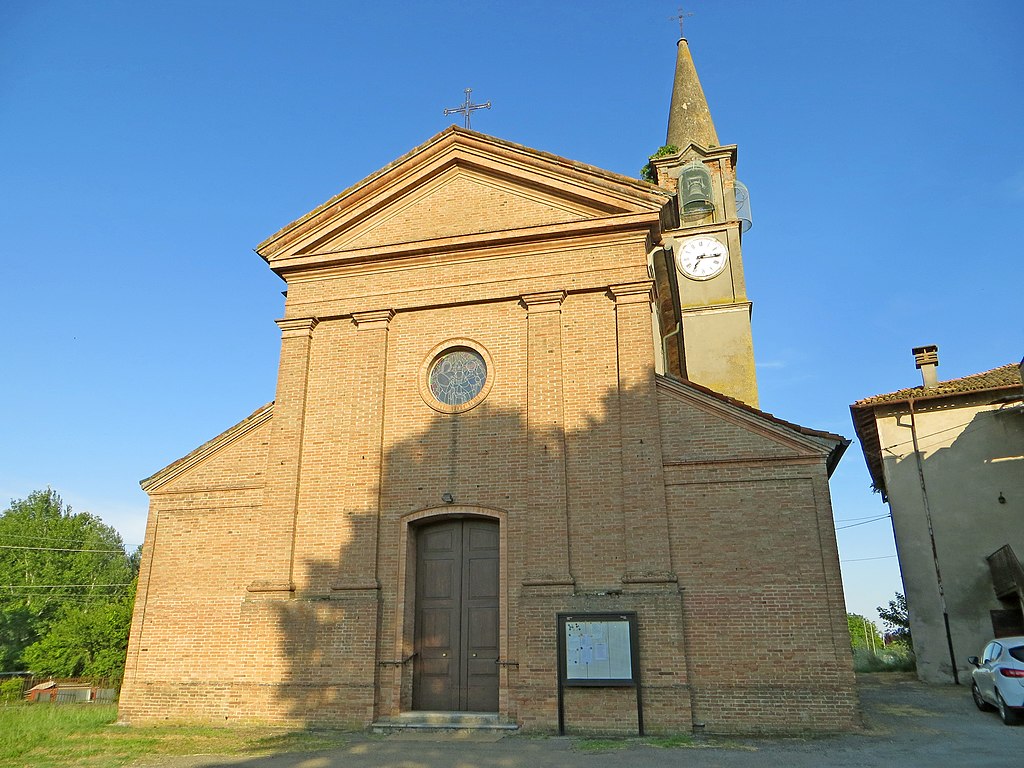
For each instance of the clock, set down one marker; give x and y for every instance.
(702, 258)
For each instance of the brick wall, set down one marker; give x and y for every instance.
(277, 575)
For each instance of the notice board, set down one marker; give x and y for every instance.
(598, 650)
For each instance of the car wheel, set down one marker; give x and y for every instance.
(979, 702)
(1007, 715)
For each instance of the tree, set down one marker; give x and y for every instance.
(897, 620)
(86, 641)
(53, 562)
(863, 632)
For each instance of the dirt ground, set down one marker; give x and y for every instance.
(907, 724)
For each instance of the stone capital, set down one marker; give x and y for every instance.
(632, 293)
(375, 318)
(548, 301)
(297, 326)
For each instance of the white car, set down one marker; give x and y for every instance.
(999, 678)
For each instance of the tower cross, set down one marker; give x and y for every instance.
(466, 108)
(680, 17)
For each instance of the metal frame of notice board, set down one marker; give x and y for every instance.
(598, 650)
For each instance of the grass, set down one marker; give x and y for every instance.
(890, 659)
(671, 742)
(83, 736)
(599, 745)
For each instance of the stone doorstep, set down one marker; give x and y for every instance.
(443, 721)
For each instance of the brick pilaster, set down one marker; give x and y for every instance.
(284, 465)
(357, 568)
(644, 511)
(548, 536)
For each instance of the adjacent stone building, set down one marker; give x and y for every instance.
(515, 391)
(948, 456)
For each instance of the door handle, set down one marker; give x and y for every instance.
(444, 654)
(474, 655)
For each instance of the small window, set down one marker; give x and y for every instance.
(1018, 652)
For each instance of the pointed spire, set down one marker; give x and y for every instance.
(689, 119)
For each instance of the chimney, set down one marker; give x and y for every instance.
(927, 359)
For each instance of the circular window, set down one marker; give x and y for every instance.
(456, 376)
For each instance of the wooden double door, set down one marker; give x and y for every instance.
(457, 599)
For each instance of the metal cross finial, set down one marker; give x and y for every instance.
(679, 17)
(466, 108)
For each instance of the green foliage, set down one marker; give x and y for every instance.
(892, 658)
(85, 641)
(12, 690)
(897, 620)
(647, 173)
(59, 569)
(863, 633)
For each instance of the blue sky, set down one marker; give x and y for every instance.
(146, 148)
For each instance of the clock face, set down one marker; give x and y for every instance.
(701, 258)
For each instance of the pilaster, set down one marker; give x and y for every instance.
(357, 566)
(548, 564)
(277, 528)
(644, 511)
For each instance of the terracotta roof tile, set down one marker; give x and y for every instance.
(1003, 376)
(863, 411)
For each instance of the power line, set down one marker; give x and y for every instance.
(852, 519)
(864, 522)
(862, 559)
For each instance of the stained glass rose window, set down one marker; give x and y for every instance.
(457, 376)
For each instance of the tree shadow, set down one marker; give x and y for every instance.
(585, 526)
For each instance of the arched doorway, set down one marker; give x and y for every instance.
(457, 616)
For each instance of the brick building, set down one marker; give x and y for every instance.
(516, 397)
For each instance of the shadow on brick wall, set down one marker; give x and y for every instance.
(334, 666)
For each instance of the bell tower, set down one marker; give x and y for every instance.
(705, 318)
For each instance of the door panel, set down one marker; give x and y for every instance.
(438, 617)
(457, 617)
(480, 615)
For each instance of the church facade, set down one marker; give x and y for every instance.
(516, 411)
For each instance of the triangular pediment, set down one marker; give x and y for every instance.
(484, 204)
(690, 413)
(462, 184)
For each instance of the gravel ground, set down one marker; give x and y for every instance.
(907, 724)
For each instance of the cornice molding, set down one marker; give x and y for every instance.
(297, 326)
(716, 309)
(377, 318)
(632, 293)
(605, 229)
(547, 301)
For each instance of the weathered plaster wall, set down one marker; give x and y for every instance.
(969, 454)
